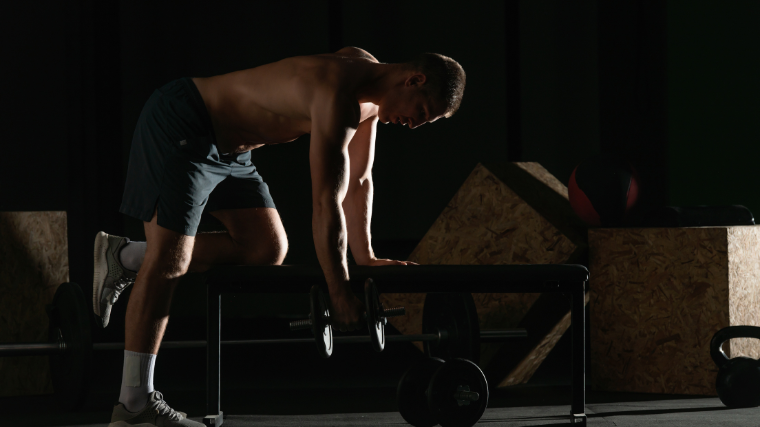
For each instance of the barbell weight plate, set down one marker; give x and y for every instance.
(456, 314)
(319, 326)
(375, 324)
(453, 376)
(69, 369)
(410, 394)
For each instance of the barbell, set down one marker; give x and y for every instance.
(70, 343)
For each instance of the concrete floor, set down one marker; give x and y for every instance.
(628, 411)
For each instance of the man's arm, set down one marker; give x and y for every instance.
(334, 123)
(358, 202)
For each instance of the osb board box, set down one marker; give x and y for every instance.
(516, 213)
(33, 262)
(657, 297)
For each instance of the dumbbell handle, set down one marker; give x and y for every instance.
(297, 325)
(306, 323)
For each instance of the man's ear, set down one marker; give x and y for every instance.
(416, 79)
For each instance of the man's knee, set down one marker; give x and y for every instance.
(166, 266)
(269, 251)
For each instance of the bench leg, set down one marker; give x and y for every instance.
(213, 366)
(578, 318)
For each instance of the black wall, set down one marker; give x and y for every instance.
(671, 85)
(35, 106)
(713, 108)
(559, 83)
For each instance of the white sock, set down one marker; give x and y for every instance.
(136, 380)
(132, 255)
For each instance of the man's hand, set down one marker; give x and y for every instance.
(347, 310)
(378, 262)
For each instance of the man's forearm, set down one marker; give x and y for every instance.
(329, 231)
(358, 208)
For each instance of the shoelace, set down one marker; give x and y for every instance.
(121, 285)
(163, 408)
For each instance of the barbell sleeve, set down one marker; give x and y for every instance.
(31, 349)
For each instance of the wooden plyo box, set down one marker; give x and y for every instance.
(657, 297)
(34, 261)
(510, 213)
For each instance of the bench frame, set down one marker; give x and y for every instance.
(565, 279)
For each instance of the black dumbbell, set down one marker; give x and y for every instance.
(319, 319)
(738, 380)
(452, 394)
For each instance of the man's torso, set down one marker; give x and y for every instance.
(272, 103)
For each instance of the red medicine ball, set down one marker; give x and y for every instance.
(602, 190)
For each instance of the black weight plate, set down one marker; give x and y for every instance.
(70, 370)
(319, 325)
(447, 380)
(456, 314)
(375, 324)
(410, 394)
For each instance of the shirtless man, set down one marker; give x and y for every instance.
(192, 151)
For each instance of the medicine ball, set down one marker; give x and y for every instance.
(602, 190)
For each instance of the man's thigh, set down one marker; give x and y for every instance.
(252, 226)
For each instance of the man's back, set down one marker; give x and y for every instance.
(273, 103)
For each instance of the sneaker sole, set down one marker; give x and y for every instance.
(101, 270)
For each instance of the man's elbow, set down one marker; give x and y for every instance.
(359, 186)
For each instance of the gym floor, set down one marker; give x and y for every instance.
(289, 385)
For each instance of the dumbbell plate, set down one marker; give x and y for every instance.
(375, 323)
(456, 314)
(319, 327)
(69, 369)
(446, 381)
(410, 395)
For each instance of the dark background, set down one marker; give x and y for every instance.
(671, 85)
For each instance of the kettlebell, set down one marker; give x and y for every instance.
(738, 381)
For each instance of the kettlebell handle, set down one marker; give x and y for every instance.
(725, 334)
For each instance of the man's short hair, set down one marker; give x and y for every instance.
(445, 79)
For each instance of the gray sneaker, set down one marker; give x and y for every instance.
(110, 278)
(155, 413)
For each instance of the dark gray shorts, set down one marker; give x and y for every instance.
(174, 164)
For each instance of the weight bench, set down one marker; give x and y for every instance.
(566, 279)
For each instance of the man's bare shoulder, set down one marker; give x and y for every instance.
(355, 52)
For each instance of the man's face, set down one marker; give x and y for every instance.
(408, 105)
